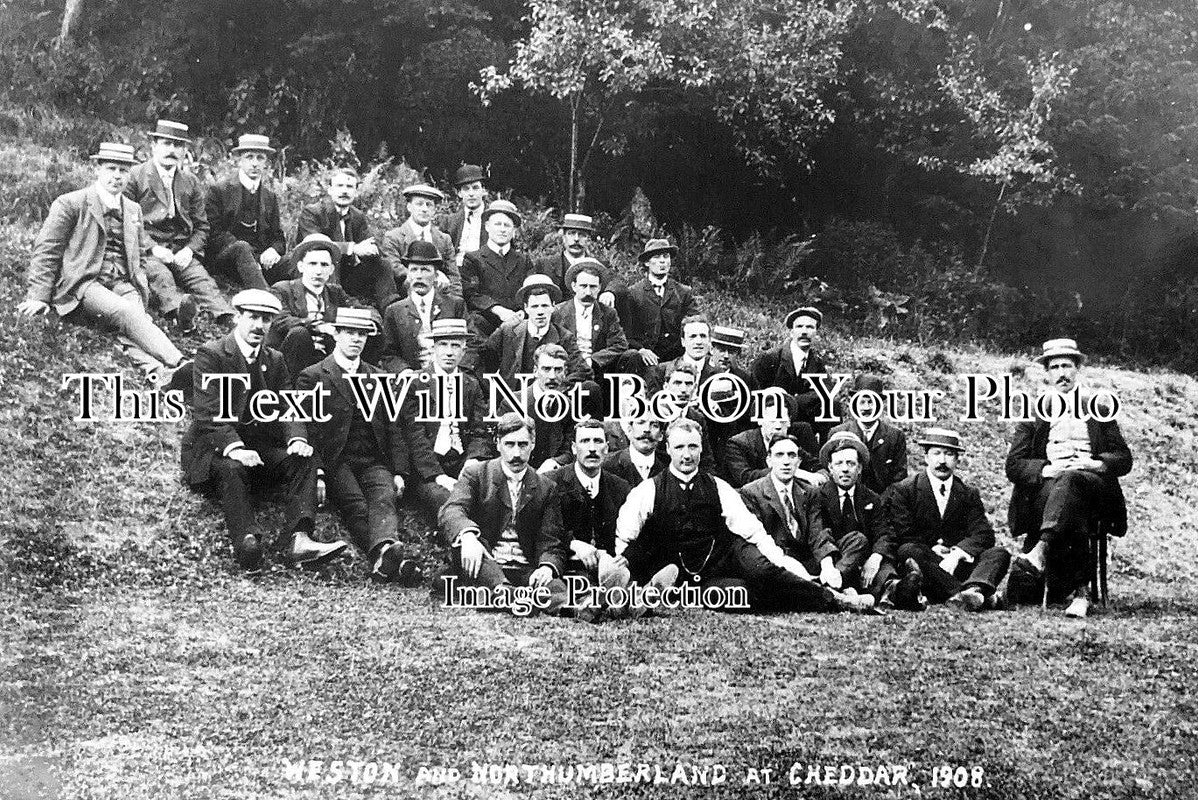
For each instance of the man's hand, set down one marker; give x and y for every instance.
(247, 457)
(830, 576)
(1090, 464)
(608, 299)
(504, 314)
(1052, 470)
(163, 254)
(269, 258)
(586, 553)
(445, 482)
(399, 485)
(183, 257)
(540, 577)
(470, 461)
(950, 562)
(297, 447)
(322, 491)
(32, 308)
(941, 549)
(365, 248)
(472, 554)
(549, 465)
(649, 356)
(870, 570)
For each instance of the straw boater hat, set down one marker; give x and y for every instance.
(253, 142)
(805, 311)
(578, 222)
(728, 338)
(315, 241)
(1056, 348)
(590, 265)
(834, 443)
(468, 173)
(449, 329)
(424, 190)
(422, 252)
(655, 246)
(940, 437)
(537, 281)
(503, 207)
(167, 129)
(114, 152)
(256, 300)
(356, 319)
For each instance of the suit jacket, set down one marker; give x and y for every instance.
(68, 253)
(145, 187)
(453, 225)
(395, 244)
(744, 454)
(502, 351)
(607, 335)
(206, 439)
(293, 296)
(480, 499)
(223, 205)
(329, 437)
(323, 217)
(401, 331)
(811, 542)
(1027, 457)
(620, 464)
(887, 454)
(422, 436)
(653, 322)
(776, 367)
(576, 507)
(556, 267)
(914, 516)
(489, 279)
(868, 506)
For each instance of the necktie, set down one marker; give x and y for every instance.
(792, 516)
(593, 488)
(343, 230)
(942, 501)
(848, 512)
(660, 290)
(318, 311)
(168, 184)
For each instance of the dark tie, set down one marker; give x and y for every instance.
(113, 213)
(793, 516)
(848, 511)
(344, 229)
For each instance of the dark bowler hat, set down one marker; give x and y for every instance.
(315, 241)
(868, 382)
(355, 318)
(422, 252)
(805, 311)
(424, 190)
(449, 329)
(1058, 348)
(590, 265)
(941, 437)
(468, 173)
(503, 207)
(256, 300)
(537, 281)
(166, 129)
(578, 222)
(253, 142)
(727, 338)
(655, 246)
(115, 152)
(837, 441)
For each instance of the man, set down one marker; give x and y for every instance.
(887, 444)
(422, 201)
(682, 381)
(595, 326)
(465, 226)
(303, 330)
(229, 460)
(359, 270)
(577, 232)
(745, 455)
(449, 444)
(643, 457)
(88, 262)
(503, 521)
(553, 437)
(363, 459)
(1066, 473)
(652, 309)
(493, 274)
(940, 527)
(509, 350)
(407, 324)
(696, 522)
(172, 208)
(247, 243)
(789, 365)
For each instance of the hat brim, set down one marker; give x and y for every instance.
(172, 137)
(604, 273)
(371, 329)
(422, 262)
(98, 158)
(259, 308)
(792, 316)
(436, 198)
(825, 452)
(555, 294)
(928, 443)
(464, 335)
(577, 227)
(1078, 357)
(648, 254)
(264, 149)
(515, 217)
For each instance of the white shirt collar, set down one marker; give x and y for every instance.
(683, 478)
(167, 175)
(346, 365)
(937, 483)
(657, 283)
(243, 346)
(497, 249)
(797, 353)
(585, 480)
(780, 487)
(250, 186)
(108, 200)
(869, 429)
(513, 477)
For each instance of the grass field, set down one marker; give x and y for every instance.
(137, 664)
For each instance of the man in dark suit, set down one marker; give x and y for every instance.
(577, 232)
(652, 309)
(940, 526)
(509, 350)
(422, 201)
(465, 226)
(303, 330)
(553, 436)
(643, 458)
(172, 208)
(789, 366)
(446, 441)
(493, 274)
(364, 459)
(886, 442)
(88, 263)
(503, 521)
(595, 326)
(231, 459)
(1066, 473)
(360, 270)
(407, 323)
(246, 241)
(745, 453)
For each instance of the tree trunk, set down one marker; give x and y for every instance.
(574, 102)
(69, 14)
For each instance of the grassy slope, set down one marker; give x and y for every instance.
(156, 672)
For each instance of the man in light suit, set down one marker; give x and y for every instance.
(230, 460)
(173, 213)
(422, 201)
(886, 442)
(465, 226)
(407, 323)
(493, 274)
(246, 242)
(651, 310)
(360, 270)
(88, 264)
(789, 366)
(1066, 473)
(364, 459)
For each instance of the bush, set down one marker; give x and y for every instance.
(31, 177)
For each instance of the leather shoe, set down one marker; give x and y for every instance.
(248, 553)
(1078, 608)
(970, 598)
(307, 552)
(663, 579)
(856, 603)
(185, 316)
(392, 567)
(910, 587)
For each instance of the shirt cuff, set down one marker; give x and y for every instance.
(238, 445)
(457, 540)
(961, 554)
